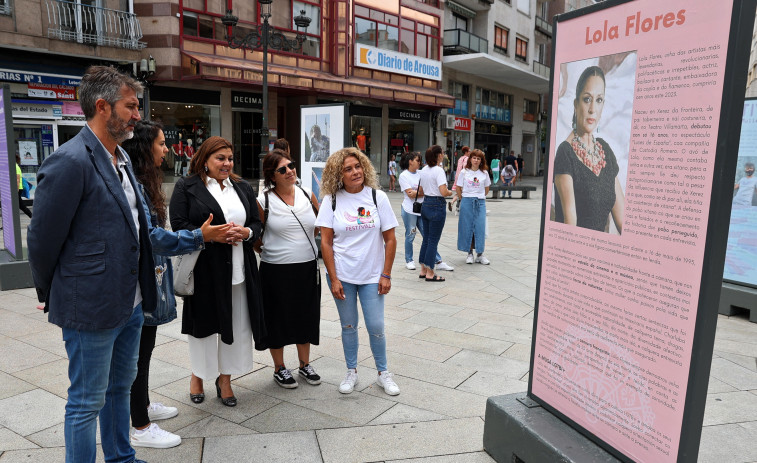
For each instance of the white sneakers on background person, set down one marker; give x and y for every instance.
(349, 381)
(153, 437)
(386, 380)
(444, 266)
(410, 265)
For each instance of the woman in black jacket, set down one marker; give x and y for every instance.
(225, 312)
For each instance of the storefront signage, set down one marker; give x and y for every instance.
(37, 109)
(26, 77)
(397, 63)
(624, 322)
(246, 100)
(463, 123)
(408, 115)
(55, 92)
(72, 108)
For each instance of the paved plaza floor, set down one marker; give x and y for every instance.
(451, 345)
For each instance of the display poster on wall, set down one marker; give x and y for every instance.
(323, 132)
(628, 239)
(27, 151)
(741, 257)
(8, 183)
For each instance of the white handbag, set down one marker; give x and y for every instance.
(183, 273)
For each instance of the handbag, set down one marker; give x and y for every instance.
(183, 276)
(416, 205)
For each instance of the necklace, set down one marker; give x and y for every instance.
(593, 158)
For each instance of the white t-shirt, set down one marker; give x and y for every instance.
(284, 242)
(357, 225)
(431, 178)
(409, 180)
(393, 168)
(474, 183)
(746, 190)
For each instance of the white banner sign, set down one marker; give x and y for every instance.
(397, 63)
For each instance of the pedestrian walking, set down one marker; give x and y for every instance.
(472, 187)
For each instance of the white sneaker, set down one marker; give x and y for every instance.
(444, 266)
(410, 265)
(385, 380)
(469, 259)
(348, 384)
(157, 411)
(153, 437)
(482, 260)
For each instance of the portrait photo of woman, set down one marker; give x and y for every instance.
(590, 162)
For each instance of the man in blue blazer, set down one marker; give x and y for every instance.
(91, 259)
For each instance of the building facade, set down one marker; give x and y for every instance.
(496, 68)
(204, 87)
(45, 45)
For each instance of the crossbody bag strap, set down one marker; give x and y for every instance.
(265, 214)
(315, 209)
(416, 192)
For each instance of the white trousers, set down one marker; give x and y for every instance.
(210, 356)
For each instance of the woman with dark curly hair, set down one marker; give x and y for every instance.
(358, 245)
(289, 275)
(147, 149)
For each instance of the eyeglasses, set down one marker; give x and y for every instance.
(283, 169)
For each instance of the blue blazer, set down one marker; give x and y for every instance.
(85, 255)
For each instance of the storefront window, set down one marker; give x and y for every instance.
(183, 122)
(366, 136)
(493, 105)
(408, 131)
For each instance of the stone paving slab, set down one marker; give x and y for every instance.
(285, 447)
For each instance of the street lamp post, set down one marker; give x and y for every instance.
(263, 37)
(143, 74)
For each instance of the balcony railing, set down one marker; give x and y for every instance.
(74, 22)
(541, 69)
(5, 7)
(543, 26)
(458, 41)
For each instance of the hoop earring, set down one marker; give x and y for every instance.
(206, 169)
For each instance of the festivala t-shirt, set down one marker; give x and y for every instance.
(409, 180)
(746, 191)
(474, 183)
(358, 225)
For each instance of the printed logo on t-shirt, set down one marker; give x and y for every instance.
(363, 220)
(474, 183)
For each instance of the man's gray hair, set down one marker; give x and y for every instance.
(103, 82)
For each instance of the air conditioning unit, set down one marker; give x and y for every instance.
(449, 122)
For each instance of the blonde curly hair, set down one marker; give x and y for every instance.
(331, 180)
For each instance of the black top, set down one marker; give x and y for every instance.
(595, 195)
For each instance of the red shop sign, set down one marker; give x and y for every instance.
(462, 123)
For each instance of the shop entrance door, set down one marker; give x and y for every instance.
(247, 143)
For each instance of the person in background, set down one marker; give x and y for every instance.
(508, 174)
(520, 162)
(409, 182)
(147, 150)
(511, 160)
(358, 245)
(289, 274)
(461, 163)
(472, 187)
(225, 312)
(91, 260)
(392, 173)
(20, 180)
(495, 170)
(745, 188)
(433, 215)
(283, 145)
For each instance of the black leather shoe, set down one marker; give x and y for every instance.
(197, 398)
(228, 401)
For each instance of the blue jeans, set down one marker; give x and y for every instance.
(411, 221)
(102, 365)
(433, 216)
(471, 224)
(373, 315)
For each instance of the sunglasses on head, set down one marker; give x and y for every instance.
(283, 169)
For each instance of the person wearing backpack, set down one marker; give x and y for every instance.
(358, 245)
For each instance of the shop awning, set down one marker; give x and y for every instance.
(228, 69)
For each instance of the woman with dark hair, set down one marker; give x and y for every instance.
(225, 311)
(147, 149)
(587, 189)
(433, 215)
(472, 187)
(289, 273)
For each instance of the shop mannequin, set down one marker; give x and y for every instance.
(188, 153)
(178, 150)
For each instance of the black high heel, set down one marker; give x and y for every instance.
(228, 401)
(197, 398)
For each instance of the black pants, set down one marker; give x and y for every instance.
(140, 395)
(21, 204)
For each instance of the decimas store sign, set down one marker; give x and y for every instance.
(637, 200)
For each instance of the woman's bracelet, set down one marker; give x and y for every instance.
(388, 277)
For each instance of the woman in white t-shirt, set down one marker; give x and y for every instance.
(433, 215)
(289, 273)
(472, 187)
(392, 172)
(358, 245)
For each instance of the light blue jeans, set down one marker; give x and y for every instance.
(412, 221)
(373, 315)
(102, 365)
